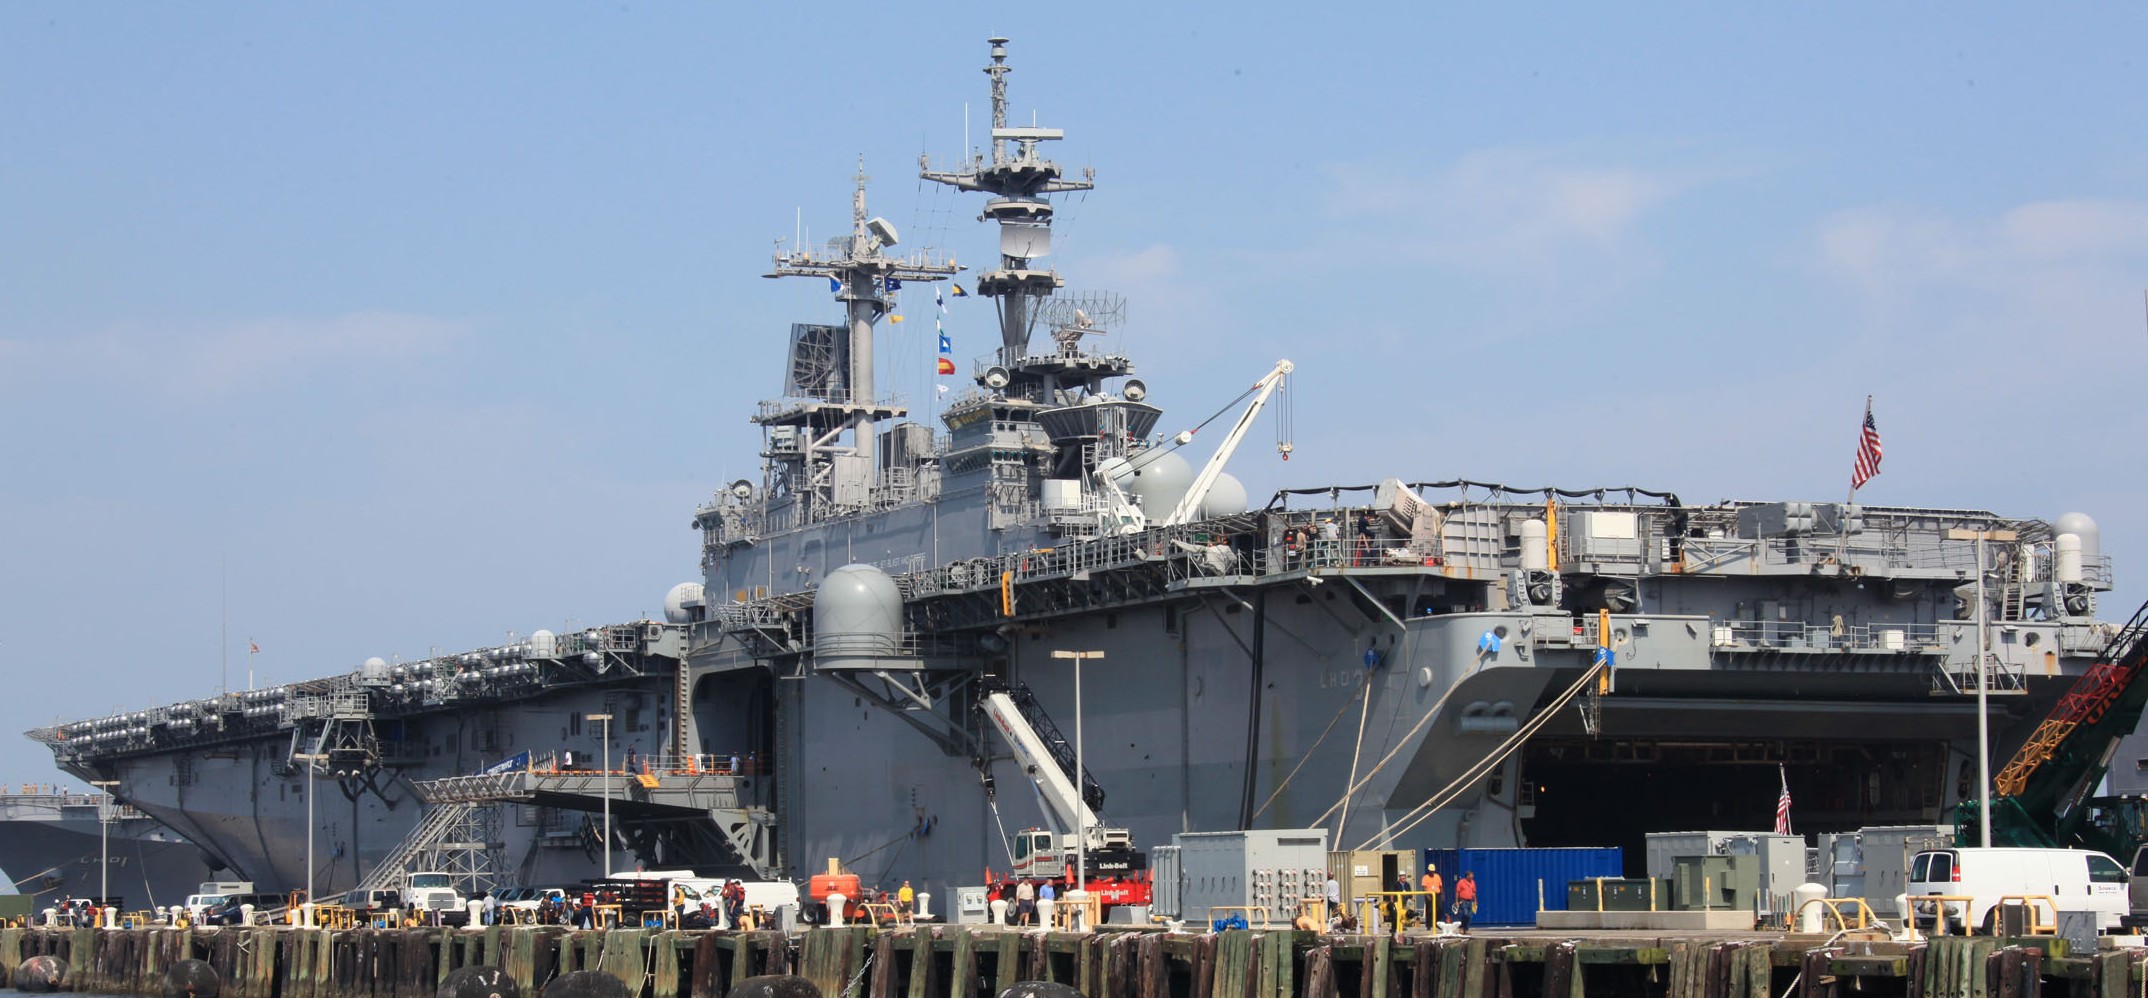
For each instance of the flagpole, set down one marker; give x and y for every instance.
(1842, 522)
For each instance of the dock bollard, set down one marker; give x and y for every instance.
(924, 906)
(835, 909)
(999, 911)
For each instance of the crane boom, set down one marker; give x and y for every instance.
(1206, 480)
(1060, 795)
(2042, 797)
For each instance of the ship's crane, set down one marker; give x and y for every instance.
(1068, 807)
(1189, 506)
(2041, 797)
(1124, 514)
(1113, 865)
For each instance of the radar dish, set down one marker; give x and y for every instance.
(1087, 313)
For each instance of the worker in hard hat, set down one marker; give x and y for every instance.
(1431, 884)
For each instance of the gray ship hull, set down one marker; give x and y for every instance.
(51, 845)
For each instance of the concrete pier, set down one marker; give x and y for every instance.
(942, 961)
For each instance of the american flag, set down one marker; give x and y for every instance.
(253, 648)
(1782, 806)
(1868, 452)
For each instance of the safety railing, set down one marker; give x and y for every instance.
(1942, 910)
(1835, 913)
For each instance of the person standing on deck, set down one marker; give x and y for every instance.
(1431, 884)
(1465, 898)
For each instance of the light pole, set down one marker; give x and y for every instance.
(313, 762)
(1081, 813)
(104, 840)
(606, 720)
(1983, 683)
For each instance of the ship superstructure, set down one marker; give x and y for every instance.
(1396, 661)
(1405, 663)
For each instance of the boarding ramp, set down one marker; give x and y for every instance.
(461, 839)
(678, 805)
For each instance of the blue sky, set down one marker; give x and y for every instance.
(410, 326)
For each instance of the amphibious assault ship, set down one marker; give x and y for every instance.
(52, 841)
(1405, 663)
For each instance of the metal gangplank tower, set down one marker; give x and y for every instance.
(829, 388)
(694, 811)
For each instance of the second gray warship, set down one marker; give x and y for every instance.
(1405, 663)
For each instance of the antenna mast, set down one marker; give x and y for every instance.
(842, 397)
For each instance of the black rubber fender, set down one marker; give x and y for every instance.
(191, 979)
(774, 986)
(585, 984)
(1039, 989)
(40, 973)
(477, 982)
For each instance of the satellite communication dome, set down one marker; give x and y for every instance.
(1160, 482)
(857, 618)
(1226, 497)
(678, 603)
(543, 644)
(374, 668)
(2083, 526)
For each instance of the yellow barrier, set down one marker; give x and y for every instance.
(1942, 913)
(1092, 911)
(1834, 908)
(2035, 903)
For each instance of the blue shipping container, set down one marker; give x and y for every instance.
(1507, 878)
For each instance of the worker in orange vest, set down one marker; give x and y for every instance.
(1431, 884)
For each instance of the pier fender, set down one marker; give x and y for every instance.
(773, 986)
(40, 973)
(477, 982)
(191, 979)
(1039, 989)
(585, 984)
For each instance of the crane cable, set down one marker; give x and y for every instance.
(1364, 689)
(1358, 785)
(1363, 713)
(1417, 815)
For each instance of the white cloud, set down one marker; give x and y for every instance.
(200, 362)
(2039, 276)
(1512, 212)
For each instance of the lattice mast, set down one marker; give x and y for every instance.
(1018, 180)
(864, 277)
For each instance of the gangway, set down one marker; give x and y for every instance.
(684, 812)
(461, 838)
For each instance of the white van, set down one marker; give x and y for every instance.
(2074, 880)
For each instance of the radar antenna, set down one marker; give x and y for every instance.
(832, 370)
